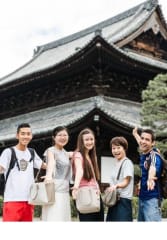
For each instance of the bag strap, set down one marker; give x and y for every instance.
(14, 160)
(91, 165)
(46, 160)
(119, 171)
(37, 175)
(32, 151)
(11, 164)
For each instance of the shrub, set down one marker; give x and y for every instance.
(164, 208)
(135, 207)
(37, 211)
(73, 209)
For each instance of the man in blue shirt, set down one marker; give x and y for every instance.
(151, 168)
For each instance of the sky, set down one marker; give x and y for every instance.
(26, 24)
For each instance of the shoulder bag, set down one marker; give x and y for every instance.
(88, 198)
(42, 193)
(111, 198)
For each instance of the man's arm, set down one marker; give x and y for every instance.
(136, 135)
(151, 177)
(154, 170)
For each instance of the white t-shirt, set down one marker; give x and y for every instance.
(127, 170)
(19, 182)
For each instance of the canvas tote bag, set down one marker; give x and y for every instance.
(42, 193)
(88, 198)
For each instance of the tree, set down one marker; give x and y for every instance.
(154, 108)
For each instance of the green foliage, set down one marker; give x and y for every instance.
(73, 209)
(154, 113)
(37, 211)
(154, 104)
(137, 170)
(162, 146)
(135, 207)
(164, 208)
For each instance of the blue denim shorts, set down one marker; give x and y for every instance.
(149, 210)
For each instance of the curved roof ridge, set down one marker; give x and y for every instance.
(101, 101)
(137, 58)
(114, 108)
(127, 23)
(2, 80)
(88, 30)
(131, 25)
(121, 100)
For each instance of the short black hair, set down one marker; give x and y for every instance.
(23, 125)
(59, 129)
(149, 131)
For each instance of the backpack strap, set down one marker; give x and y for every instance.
(32, 151)
(13, 160)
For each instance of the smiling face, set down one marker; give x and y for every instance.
(146, 142)
(24, 136)
(119, 146)
(118, 151)
(88, 141)
(61, 139)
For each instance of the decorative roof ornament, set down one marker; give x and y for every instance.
(150, 4)
(98, 32)
(98, 101)
(155, 28)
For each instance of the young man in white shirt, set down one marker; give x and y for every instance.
(20, 178)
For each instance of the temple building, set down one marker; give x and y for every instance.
(93, 78)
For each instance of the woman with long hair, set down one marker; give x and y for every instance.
(86, 171)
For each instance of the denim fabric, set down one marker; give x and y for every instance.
(149, 210)
(121, 212)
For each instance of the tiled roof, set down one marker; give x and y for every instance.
(149, 61)
(43, 121)
(112, 30)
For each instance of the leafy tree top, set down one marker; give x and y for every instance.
(154, 105)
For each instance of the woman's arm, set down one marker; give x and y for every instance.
(78, 175)
(50, 166)
(124, 183)
(79, 171)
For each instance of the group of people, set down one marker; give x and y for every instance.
(84, 165)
